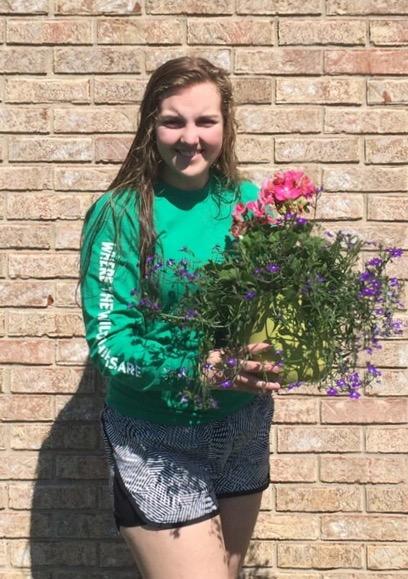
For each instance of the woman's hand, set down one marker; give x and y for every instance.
(247, 378)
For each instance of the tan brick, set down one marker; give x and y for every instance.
(321, 556)
(364, 179)
(388, 499)
(81, 467)
(388, 32)
(97, 59)
(319, 439)
(392, 353)
(68, 294)
(386, 440)
(189, 7)
(252, 90)
(318, 499)
(218, 56)
(278, 62)
(280, 120)
(260, 554)
(387, 208)
(18, 524)
(294, 411)
(47, 206)
(369, 61)
(387, 92)
(254, 149)
(3, 441)
(314, 149)
(27, 407)
(100, 120)
(24, 120)
(24, 31)
(278, 7)
(369, 575)
(26, 465)
(3, 496)
(112, 149)
(51, 149)
(364, 528)
(53, 553)
(25, 6)
(2, 324)
(320, 91)
(27, 352)
(313, 32)
(26, 496)
(351, 7)
(45, 324)
(25, 178)
(152, 31)
(15, 236)
(34, 294)
(340, 206)
(366, 411)
(72, 351)
(363, 469)
(232, 32)
(68, 236)
(283, 527)
(83, 178)
(47, 91)
(387, 556)
(393, 383)
(25, 60)
(54, 436)
(386, 150)
(43, 266)
(96, 7)
(51, 380)
(122, 91)
(365, 121)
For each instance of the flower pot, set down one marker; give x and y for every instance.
(302, 357)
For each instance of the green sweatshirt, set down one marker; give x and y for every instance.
(140, 357)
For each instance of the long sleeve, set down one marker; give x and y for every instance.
(120, 344)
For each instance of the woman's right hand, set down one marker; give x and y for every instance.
(247, 379)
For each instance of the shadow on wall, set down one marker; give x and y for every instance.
(72, 534)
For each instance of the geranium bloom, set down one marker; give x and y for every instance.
(287, 186)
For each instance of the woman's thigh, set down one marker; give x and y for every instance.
(195, 550)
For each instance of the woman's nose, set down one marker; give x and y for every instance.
(190, 135)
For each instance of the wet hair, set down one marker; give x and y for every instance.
(142, 165)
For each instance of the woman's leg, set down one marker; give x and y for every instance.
(238, 518)
(194, 551)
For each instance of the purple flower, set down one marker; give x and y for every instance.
(394, 251)
(393, 282)
(272, 267)
(332, 391)
(226, 384)
(191, 314)
(373, 370)
(231, 362)
(375, 261)
(354, 394)
(249, 295)
(301, 220)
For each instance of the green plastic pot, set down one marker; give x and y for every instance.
(302, 357)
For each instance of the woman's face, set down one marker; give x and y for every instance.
(189, 132)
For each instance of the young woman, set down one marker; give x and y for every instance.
(186, 483)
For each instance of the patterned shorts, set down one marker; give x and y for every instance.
(168, 476)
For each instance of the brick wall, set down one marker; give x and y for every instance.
(320, 85)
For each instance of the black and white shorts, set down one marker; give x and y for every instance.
(167, 476)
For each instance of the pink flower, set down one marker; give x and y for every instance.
(287, 186)
(239, 211)
(257, 208)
